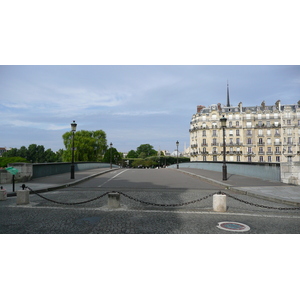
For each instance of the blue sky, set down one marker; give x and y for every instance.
(132, 104)
(138, 71)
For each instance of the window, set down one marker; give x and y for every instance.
(238, 141)
(214, 132)
(248, 116)
(248, 124)
(269, 158)
(230, 124)
(249, 132)
(215, 158)
(238, 158)
(289, 159)
(268, 124)
(249, 150)
(204, 133)
(204, 150)
(260, 141)
(277, 149)
(204, 157)
(288, 122)
(237, 123)
(214, 141)
(290, 149)
(204, 142)
(267, 116)
(214, 150)
(260, 150)
(269, 149)
(261, 158)
(277, 158)
(238, 132)
(231, 141)
(214, 117)
(231, 132)
(259, 116)
(269, 141)
(203, 118)
(275, 115)
(289, 141)
(249, 141)
(260, 132)
(249, 159)
(259, 123)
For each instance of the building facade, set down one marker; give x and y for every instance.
(260, 133)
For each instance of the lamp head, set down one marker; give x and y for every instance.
(73, 126)
(223, 121)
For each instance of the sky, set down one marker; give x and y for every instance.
(134, 105)
(138, 71)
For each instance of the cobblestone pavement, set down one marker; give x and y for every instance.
(135, 217)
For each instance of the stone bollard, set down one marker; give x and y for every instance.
(114, 200)
(3, 194)
(23, 196)
(219, 202)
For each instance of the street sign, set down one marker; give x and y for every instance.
(12, 170)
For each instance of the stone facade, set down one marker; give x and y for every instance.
(263, 133)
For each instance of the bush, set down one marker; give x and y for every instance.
(4, 161)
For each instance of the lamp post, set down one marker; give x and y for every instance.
(177, 144)
(73, 128)
(110, 155)
(224, 168)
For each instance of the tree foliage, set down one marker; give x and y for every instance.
(4, 161)
(34, 153)
(145, 150)
(89, 145)
(113, 154)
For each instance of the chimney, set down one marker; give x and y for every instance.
(199, 108)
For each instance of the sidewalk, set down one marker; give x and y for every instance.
(48, 183)
(264, 189)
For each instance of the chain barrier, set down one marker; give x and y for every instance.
(259, 205)
(64, 203)
(165, 205)
(125, 195)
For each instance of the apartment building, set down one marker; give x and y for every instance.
(262, 133)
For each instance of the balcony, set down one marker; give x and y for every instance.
(261, 153)
(269, 152)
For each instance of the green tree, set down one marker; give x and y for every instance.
(89, 145)
(131, 154)
(147, 149)
(116, 157)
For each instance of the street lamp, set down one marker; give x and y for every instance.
(110, 155)
(177, 144)
(73, 128)
(223, 121)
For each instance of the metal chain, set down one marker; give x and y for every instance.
(82, 202)
(262, 206)
(164, 205)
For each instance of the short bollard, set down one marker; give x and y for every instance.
(114, 200)
(23, 196)
(219, 202)
(3, 194)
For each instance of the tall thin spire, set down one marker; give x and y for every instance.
(228, 102)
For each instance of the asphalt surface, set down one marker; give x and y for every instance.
(152, 201)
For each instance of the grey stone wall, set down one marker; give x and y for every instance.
(290, 173)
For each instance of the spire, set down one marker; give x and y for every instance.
(228, 102)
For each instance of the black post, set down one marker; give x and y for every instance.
(72, 165)
(111, 155)
(224, 168)
(13, 182)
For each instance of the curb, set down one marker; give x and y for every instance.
(230, 187)
(44, 190)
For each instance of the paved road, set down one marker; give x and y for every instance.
(164, 187)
